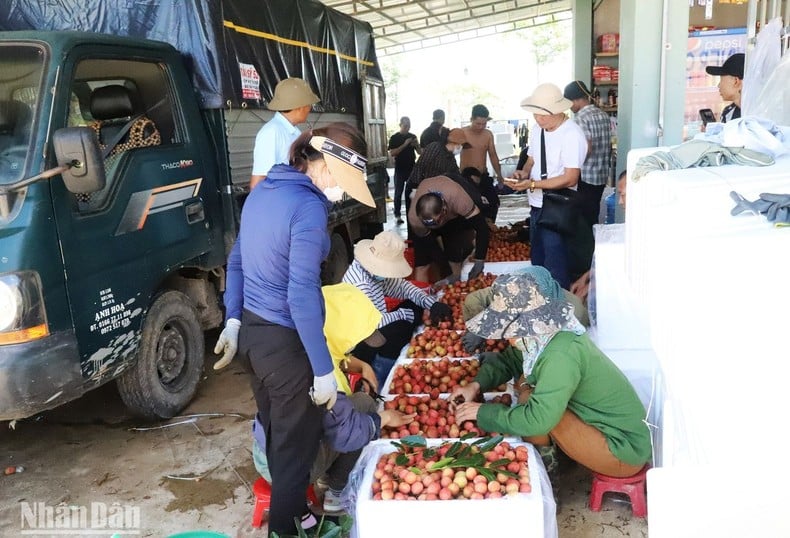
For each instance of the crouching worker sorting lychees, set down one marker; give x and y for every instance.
(573, 397)
(350, 425)
(351, 422)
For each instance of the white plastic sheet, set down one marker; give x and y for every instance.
(761, 64)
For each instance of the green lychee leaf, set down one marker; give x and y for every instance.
(414, 441)
(473, 460)
(441, 464)
(402, 459)
(346, 522)
(428, 453)
(454, 448)
(491, 443)
(469, 435)
(487, 473)
(499, 463)
(415, 470)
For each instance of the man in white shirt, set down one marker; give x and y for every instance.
(292, 102)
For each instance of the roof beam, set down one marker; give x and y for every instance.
(476, 18)
(465, 35)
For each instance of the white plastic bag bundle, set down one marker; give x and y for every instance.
(760, 65)
(773, 97)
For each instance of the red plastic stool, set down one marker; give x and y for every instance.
(633, 486)
(263, 496)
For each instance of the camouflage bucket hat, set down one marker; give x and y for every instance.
(518, 309)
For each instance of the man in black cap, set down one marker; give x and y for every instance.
(597, 129)
(436, 131)
(730, 84)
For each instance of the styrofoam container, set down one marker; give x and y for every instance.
(385, 390)
(532, 514)
(496, 268)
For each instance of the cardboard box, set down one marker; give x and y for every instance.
(609, 43)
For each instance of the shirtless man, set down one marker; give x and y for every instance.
(480, 141)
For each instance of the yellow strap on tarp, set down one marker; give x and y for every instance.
(295, 43)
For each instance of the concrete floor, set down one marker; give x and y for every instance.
(196, 475)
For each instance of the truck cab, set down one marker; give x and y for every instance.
(98, 282)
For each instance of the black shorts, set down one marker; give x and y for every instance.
(457, 238)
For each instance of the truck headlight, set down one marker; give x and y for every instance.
(22, 314)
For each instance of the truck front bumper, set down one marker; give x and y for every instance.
(39, 375)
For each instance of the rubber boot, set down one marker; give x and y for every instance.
(551, 462)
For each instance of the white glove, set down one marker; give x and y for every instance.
(228, 343)
(324, 390)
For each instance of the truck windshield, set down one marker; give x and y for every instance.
(21, 71)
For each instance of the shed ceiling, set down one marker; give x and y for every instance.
(409, 25)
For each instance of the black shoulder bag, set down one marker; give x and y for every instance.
(560, 209)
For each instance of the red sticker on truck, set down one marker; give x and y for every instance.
(250, 82)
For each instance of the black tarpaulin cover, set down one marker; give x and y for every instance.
(236, 50)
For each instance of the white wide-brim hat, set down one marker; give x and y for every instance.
(383, 255)
(347, 168)
(546, 99)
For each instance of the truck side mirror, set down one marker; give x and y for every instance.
(78, 148)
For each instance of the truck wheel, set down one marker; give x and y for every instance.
(336, 263)
(169, 359)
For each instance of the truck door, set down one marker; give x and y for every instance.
(119, 244)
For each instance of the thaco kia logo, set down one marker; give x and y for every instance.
(183, 163)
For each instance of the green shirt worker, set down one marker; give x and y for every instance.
(579, 400)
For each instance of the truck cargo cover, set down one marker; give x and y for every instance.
(236, 50)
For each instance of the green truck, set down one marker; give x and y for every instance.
(125, 155)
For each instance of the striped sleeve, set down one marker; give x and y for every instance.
(356, 275)
(403, 289)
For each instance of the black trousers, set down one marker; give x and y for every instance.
(400, 185)
(590, 203)
(281, 378)
(398, 334)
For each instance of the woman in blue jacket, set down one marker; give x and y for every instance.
(275, 310)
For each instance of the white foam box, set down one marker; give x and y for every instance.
(619, 321)
(395, 519)
(496, 268)
(715, 500)
(487, 397)
(404, 361)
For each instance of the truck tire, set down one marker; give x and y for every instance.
(169, 359)
(335, 265)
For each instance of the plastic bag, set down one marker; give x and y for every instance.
(761, 63)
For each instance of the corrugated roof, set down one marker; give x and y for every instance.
(407, 25)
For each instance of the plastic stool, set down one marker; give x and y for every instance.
(633, 486)
(263, 496)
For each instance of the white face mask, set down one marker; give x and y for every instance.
(334, 194)
(457, 150)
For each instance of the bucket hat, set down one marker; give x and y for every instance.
(518, 310)
(732, 66)
(383, 255)
(545, 100)
(347, 168)
(292, 93)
